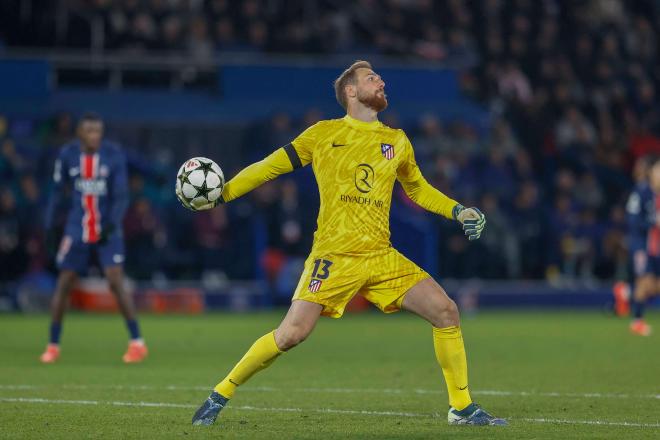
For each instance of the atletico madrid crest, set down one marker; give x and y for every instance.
(387, 150)
(314, 286)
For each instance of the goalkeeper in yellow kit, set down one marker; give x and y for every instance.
(356, 160)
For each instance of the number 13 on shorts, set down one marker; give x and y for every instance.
(321, 269)
(321, 272)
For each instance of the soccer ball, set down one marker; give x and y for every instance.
(199, 183)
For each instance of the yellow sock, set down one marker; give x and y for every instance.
(263, 352)
(450, 353)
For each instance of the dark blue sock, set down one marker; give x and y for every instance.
(55, 330)
(133, 328)
(638, 309)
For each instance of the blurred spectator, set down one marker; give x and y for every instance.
(431, 140)
(212, 236)
(199, 45)
(145, 235)
(528, 220)
(514, 84)
(574, 130)
(13, 258)
(502, 259)
(62, 130)
(12, 163)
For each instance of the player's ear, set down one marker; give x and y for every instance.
(351, 90)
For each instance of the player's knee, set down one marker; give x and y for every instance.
(644, 286)
(290, 337)
(115, 284)
(445, 314)
(65, 284)
(451, 308)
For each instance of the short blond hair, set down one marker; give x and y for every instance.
(348, 78)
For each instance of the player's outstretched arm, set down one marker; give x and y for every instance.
(425, 195)
(281, 161)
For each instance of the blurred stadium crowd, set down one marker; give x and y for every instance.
(571, 86)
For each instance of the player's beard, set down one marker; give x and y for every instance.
(376, 102)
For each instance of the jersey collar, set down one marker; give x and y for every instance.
(374, 125)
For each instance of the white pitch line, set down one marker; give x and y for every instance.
(594, 422)
(340, 391)
(316, 410)
(93, 402)
(557, 394)
(337, 411)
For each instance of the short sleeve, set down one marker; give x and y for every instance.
(408, 171)
(304, 144)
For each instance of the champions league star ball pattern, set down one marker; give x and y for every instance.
(199, 183)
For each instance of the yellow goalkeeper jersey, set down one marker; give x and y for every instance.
(356, 164)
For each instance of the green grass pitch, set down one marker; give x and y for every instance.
(556, 375)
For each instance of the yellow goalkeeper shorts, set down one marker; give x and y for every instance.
(382, 277)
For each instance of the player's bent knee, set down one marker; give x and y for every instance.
(290, 337)
(451, 307)
(445, 314)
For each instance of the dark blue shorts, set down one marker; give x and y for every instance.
(76, 256)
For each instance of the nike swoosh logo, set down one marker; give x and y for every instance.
(338, 145)
(233, 382)
(458, 387)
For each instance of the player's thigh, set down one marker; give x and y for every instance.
(331, 281)
(654, 289)
(648, 278)
(111, 253)
(391, 276)
(652, 278)
(430, 301)
(72, 255)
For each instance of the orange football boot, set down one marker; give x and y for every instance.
(137, 352)
(51, 354)
(640, 327)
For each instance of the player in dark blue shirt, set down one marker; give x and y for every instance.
(643, 218)
(93, 171)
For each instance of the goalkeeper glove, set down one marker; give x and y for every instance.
(187, 205)
(182, 200)
(473, 220)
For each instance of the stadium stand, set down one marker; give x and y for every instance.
(570, 88)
